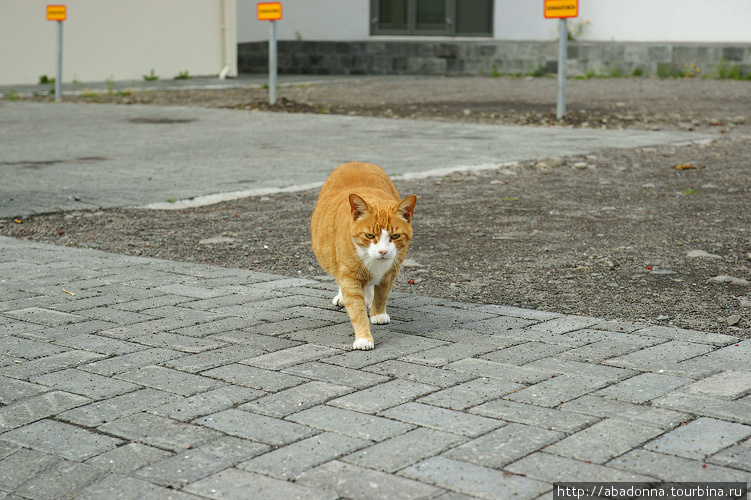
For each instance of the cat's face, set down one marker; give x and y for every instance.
(380, 233)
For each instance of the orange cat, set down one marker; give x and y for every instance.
(361, 231)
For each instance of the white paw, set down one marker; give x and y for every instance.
(369, 293)
(380, 319)
(363, 344)
(338, 300)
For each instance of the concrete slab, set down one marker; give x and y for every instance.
(87, 156)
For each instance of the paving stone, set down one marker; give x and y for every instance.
(472, 393)
(382, 396)
(127, 458)
(577, 368)
(295, 399)
(213, 327)
(472, 337)
(290, 326)
(517, 312)
(604, 440)
(554, 391)
(233, 484)
(688, 335)
(728, 384)
(554, 469)
(193, 464)
(256, 427)
(48, 364)
(168, 380)
(42, 316)
(159, 431)
(610, 345)
(737, 411)
(522, 354)
(737, 456)
(643, 388)
(17, 347)
(474, 480)
(100, 412)
(265, 342)
(152, 302)
(196, 292)
(115, 487)
(87, 384)
(511, 373)
(499, 324)
(256, 378)
(178, 342)
(114, 315)
(206, 360)
(419, 373)
(565, 324)
(292, 356)
(537, 416)
(442, 355)
(674, 469)
(390, 345)
(57, 438)
(700, 438)
(212, 401)
(637, 413)
(289, 461)
(102, 345)
(7, 448)
(62, 481)
(131, 361)
(350, 423)
(663, 356)
(504, 445)
(336, 374)
(21, 467)
(351, 481)
(28, 410)
(406, 449)
(13, 390)
(442, 419)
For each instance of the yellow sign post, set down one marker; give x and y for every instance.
(271, 12)
(561, 10)
(58, 13)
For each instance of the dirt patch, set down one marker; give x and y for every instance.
(649, 234)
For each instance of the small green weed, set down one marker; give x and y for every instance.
(151, 77)
(12, 96)
(506, 198)
(45, 80)
(637, 72)
(688, 191)
(183, 75)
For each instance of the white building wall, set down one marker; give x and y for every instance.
(610, 20)
(124, 40)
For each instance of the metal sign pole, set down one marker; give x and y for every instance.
(59, 73)
(560, 108)
(272, 62)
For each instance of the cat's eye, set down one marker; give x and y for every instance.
(370, 236)
(395, 236)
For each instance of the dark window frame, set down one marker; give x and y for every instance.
(449, 28)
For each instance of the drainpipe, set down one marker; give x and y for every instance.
(228, 33)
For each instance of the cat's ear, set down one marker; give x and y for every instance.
(406, 207)
(358, 206)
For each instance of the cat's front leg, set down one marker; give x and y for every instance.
(378, 315)
(354, 302)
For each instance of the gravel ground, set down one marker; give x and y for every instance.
(658, 235)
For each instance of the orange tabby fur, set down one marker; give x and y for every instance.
(358, 206)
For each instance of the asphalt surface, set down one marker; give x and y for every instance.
(72, 156)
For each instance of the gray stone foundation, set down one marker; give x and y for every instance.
(441, 57)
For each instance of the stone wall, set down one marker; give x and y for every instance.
(379, 57)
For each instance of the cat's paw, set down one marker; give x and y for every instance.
(363, 344)
(338, 300)
(380, 319)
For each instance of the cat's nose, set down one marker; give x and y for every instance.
(383, 252)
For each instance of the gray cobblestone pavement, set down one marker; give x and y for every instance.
(128, 377)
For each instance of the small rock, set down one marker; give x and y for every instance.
(581, 165)
(663, 318)
(216, 240)
(411, 263)
(702, 254)
(745, 302)
(730, 280)
(467, 112)
(648, 185)
(733, 320)
(662, 272)
(739, 119)
(710, 186)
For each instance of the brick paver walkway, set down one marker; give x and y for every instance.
(125, 377)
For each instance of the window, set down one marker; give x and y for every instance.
(432, 17)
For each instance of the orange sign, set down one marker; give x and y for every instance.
(561, 8)
(269, 11)
(56, 12)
